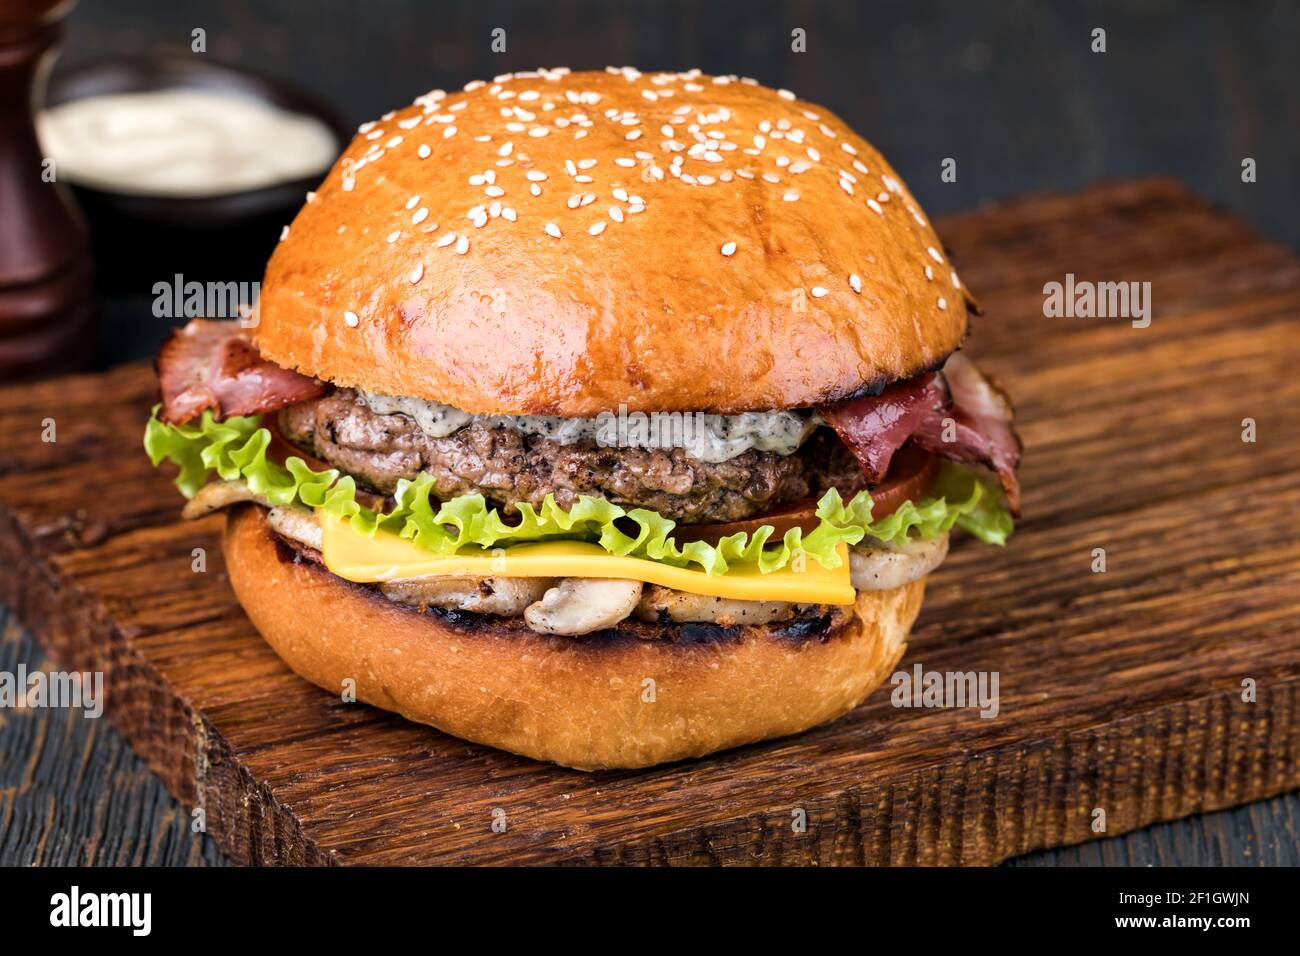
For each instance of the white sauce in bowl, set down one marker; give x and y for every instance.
(182, 142)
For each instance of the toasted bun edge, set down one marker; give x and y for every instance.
(588, 704)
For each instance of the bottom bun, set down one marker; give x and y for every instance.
(633, 696)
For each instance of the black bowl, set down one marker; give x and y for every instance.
(139, 240)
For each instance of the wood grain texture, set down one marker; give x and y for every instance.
(72, 793)
(54, 807)
(1118, 690)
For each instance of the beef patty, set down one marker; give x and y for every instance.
(506, 466)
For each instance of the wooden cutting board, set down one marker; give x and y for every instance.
(1120, 691)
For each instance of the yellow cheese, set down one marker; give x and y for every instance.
(386, 557)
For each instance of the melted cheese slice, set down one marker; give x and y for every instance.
(386, 557)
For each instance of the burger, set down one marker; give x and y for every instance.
(608, 418)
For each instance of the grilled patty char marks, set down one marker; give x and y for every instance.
(506, 466)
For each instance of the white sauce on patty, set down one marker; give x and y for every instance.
(705, 437)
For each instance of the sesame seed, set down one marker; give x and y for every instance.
(615, 213)
(790, 195)
(956, 283)
(421, 214)
(597, 227)
(855, 282)
(509, 214)
(535, 189)
(350, 318)
(785, 94)
(818, 291)
(553, 230)
(934, 253)
(943, 303)
(449, 132)
(875, 206)
(462, 245)
(412, 202)
(424, 151)
(284, 233)
(728, 248)
(929, 272)
(394, 235)
(417, 272)
(494, 191)
(536, 175)
(446, 239)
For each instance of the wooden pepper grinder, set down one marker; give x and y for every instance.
(47, 306)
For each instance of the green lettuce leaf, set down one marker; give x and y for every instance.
(235, 449)
(983, 511)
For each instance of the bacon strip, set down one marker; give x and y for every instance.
(957, 414)
(212, 365)
(982, 431)
(876, 426)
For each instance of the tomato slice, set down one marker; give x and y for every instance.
(281, 448)
(910, 475)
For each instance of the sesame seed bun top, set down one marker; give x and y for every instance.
(563, 243)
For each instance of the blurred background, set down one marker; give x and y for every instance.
(1011, 90)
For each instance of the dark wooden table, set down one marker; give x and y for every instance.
(1010, 90)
